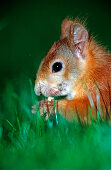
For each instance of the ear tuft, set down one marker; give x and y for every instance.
(65, 28)
(76, 34)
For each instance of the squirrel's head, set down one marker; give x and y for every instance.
(65, 62)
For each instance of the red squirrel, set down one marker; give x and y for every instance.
(78, 68)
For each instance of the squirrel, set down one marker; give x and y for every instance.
(79, 69)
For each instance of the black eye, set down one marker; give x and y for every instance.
(57, 67)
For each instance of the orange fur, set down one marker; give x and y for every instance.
(87, 71)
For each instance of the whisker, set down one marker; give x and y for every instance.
(107, 114)
(109, 97)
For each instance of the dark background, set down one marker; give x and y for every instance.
(29, 28)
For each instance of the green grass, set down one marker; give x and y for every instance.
(27, 141)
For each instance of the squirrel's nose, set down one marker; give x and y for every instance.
(37, 92)
(37, 89)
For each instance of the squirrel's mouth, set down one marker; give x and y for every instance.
(49, 89)
(51, 92)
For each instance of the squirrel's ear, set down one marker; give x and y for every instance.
(65, 28)
(78, 38)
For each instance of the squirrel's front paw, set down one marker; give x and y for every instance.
(34, 109)
(46, 107)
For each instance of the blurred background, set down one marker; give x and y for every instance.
(29, 28)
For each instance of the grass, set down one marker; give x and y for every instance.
(27, 141)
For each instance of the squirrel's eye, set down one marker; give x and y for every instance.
(57, 67)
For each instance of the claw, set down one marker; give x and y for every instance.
(34, 109)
